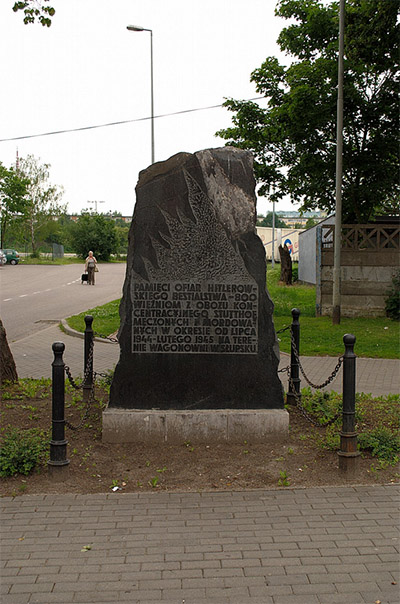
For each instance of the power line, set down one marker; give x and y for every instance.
(140, 119)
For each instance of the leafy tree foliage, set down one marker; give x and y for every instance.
(12, 199)
(35, 9)
(267, 221)
(94, 232)
(311, 222)
(294, 138)
(122, 231)
(42, 199)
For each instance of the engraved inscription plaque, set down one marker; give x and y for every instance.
(195, 317)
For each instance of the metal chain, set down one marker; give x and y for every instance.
(283, 329)
(110, 338)
(88, 369)
(328, 380)
(302, 409)
(86, 375)
(106, 376)
(86, 412)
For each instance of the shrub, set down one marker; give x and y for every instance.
(382, 443)
(392, 300)
(21, 451)
(323, 405)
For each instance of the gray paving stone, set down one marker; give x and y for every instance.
(356, 598)
(314, 588)
(296, 599)
(204, 547)
(17, 598)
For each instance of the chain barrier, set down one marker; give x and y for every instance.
(90, 400)
(88, 369)
(292, 387)
(106, 376)
(283, 329)
(86, 375)
(328, 380)
(303, 410)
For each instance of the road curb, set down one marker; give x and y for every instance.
(78, 334)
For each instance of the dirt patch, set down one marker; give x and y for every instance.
(95, 467)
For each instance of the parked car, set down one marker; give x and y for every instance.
(3, 258)
(12, 256)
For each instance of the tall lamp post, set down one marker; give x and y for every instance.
(139, 28)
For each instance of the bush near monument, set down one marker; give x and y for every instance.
(392, 306)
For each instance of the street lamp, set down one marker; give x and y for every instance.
(139, 28)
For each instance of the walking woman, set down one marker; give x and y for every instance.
(90, 267)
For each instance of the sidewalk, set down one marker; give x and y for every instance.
(292, 546)
(33, 356)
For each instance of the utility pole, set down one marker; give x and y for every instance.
(95, 204)
(339, 173)
(273, 231)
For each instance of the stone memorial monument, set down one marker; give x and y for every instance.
(196, 328)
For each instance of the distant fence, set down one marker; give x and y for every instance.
(58, 251)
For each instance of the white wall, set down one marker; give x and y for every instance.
(281, 235)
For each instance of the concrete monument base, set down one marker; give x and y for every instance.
(205, 425)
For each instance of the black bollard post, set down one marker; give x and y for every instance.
(88, 359)
(348, 453)
(294, 383)
(58, 463)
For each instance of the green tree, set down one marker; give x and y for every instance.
(267, 221)
(122, 231)
(294, 138)
(42, 199)
(311, 222)
(35, 9)
(12, 199)
(94, 232)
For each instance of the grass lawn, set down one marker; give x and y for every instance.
(47, 259)
(105, 318)
(376, 338)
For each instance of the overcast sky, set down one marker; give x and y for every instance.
(87, 69)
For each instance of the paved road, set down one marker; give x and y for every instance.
(293, 546)
(33, 296)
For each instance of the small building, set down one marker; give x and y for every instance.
(308, 251)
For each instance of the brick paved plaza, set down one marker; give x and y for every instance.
(288, 546)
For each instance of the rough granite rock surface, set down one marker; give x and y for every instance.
(196, 319)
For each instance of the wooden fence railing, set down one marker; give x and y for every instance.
(363, 237)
